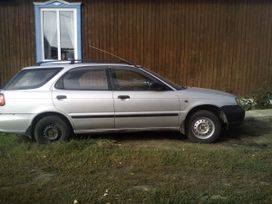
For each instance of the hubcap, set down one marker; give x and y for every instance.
(51, 132)
(203, 128)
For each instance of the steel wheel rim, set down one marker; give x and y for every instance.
(203, 128)
(51, 132)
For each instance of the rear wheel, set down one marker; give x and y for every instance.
(51, 129)
(203, 126)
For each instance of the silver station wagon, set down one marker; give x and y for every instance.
(53, 101)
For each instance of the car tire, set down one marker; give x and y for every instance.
(51, 129)
(203, 126)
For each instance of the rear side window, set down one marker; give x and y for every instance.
(84, 79)
(31, 78)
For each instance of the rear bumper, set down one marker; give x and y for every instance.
(235, 114)
(15, 123)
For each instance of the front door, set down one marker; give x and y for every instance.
(141, 101)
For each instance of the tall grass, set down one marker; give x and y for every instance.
(111, 171)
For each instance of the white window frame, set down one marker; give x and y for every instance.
(55, 5)
(58, 10)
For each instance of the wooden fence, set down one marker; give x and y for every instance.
(221, 44)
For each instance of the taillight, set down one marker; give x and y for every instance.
(2, 100)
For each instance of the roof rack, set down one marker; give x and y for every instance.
(73, 61)
(53, 61)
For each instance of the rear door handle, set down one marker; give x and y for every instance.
(60, 97)
(123, 97)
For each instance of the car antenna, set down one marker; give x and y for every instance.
(113, 55)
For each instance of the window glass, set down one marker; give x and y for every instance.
(67, 35)
(127, 80)
(31, 78)
(174, 85)
(84, 79)
(58, 34)
(50, 35)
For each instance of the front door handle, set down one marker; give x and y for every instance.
(60, 97)
(123, 97)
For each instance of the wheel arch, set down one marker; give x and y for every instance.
(214, 109)
(30, 130)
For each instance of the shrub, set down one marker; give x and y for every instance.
(247, 103)
(263, 98)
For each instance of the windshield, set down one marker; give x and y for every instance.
(31, 78)
(174, 85)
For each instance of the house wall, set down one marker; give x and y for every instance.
(221, 44)
(17, 37)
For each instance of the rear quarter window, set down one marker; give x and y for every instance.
(31, 78)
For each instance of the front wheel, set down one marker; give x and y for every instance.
(50, 129)
(203, 126)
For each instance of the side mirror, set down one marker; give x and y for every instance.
(156, 87)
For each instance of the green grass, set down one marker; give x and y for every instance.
(140, 168)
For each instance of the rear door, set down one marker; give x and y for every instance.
(85, 95)
(141, 101)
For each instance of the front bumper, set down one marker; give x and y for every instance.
(235, 114)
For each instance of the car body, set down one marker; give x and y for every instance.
(52, 101)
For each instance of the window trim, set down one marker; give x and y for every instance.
(57, 6)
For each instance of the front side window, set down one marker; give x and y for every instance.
(31, 78)
(127, 80)
(58, 31)
(84, 79)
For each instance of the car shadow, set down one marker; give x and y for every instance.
(252, 128)
(136, 136)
